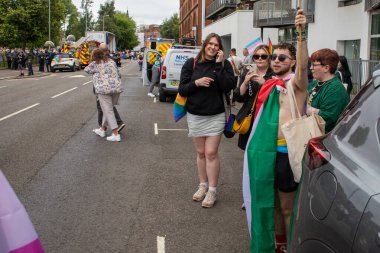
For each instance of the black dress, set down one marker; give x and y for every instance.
(248, 99)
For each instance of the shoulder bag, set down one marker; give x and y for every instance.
(243, 126)
(341, 79)
(298, 131)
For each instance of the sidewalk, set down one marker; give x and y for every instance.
(14, 74)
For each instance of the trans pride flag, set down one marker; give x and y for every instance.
(251, 46)
(17, 234)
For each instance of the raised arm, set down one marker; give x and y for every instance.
(300, 81)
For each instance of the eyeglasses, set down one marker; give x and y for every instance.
(281, 57)
(317, 64)
(258, 56)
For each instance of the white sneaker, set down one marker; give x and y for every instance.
(151, 95)
(113, 137)
(99, 132)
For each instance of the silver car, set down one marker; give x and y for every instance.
(338, 205)
(65, 61)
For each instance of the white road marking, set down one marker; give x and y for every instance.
(160, 244)
(178, 129)
(76, 76)
(155, 129)
(87, 82)
(65, 76)
(15, 113)
(3, 87)
(64, 92)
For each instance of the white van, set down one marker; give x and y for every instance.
(171, 69)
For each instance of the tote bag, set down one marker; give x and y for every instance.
(298, 131)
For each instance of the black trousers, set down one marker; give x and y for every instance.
(30, 69)
(100, 114)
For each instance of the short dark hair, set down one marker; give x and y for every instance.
(287, 46)
(326, 56)
(98, 55)
(233, 50)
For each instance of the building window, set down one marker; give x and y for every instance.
(343, 3)
(375, 37)
(351, 49)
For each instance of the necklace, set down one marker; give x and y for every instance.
(314, 91)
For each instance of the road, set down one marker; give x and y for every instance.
(85, 194)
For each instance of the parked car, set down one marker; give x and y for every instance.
(65, 61)
(338, 205)
(171, 69)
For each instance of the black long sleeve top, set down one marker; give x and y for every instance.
(206, 100)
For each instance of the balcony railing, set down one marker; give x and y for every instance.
(275, 13)
(371, 4)
(218, 6)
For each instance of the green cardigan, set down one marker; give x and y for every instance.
(331, 99)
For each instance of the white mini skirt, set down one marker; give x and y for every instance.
(201, 126)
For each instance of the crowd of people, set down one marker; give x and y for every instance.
(260, 81)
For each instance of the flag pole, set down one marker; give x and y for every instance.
(299, 45)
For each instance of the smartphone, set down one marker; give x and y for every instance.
(251, 67)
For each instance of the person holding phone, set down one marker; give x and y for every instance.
(203, 81)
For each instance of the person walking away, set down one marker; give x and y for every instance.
(107, 83)
(327, 95)
(344, 73)
(41, 61)
(267, 170)
(203, 81)
(29, 57)
(15, 59)
(236, 63)
(119, 121)
(47, 60)
(156, 70)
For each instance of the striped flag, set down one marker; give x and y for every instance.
(270, 46)
(251, 46)
(258, 172)
(17, 234)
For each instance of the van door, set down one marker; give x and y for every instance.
(150, 56)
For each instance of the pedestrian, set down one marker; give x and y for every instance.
(140, 62)
(327, 95)
(21, 58)
(119, 121)
(156, 71)
(107, 83)
(14, 59)
(267, 172)
(29, 57)
(41, 61)
(344, 73)
(47, 60)
(8, 56)
(203, 81)
(236, 63)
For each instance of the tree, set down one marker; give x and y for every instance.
(170, 28)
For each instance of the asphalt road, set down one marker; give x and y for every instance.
(85, 194)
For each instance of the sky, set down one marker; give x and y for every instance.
(142, 11)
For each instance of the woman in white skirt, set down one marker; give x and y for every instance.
(203, 81)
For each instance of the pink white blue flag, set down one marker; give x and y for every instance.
(17, 234)
(251, 46)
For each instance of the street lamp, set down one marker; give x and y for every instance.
(49, 21)
(103, 21)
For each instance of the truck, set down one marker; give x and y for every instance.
(153, 47)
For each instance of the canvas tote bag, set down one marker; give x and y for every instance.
(298, 131)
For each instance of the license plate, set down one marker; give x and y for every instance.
(174, 83)
(61, 66)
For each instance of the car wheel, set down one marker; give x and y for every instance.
(74, 68)
(162, 96)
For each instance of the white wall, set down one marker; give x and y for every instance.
(333, 24)
(238, 25)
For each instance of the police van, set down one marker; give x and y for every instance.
(175, 57)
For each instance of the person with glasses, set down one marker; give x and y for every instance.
(267, 171)
(327, 95)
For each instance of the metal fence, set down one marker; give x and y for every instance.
(361, 71)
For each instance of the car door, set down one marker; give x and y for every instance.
(148, 61)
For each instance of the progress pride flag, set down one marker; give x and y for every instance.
(17, 234)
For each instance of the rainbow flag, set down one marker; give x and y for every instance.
(17, 234)
(251, 46)
(270, 46)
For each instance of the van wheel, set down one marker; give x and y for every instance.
(162, 97)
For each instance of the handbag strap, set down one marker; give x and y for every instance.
(292, 100)
(253, 105)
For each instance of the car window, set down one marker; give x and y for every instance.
(177, 59)
(64, 56)
(358, 130)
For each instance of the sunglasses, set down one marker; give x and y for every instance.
(281, 57)
(258, 56)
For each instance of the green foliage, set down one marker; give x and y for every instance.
(170, 28)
